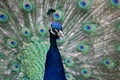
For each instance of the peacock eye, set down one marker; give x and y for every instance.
(83, 3)
(82, 47)
(42, 30)
(12, 43)
(86, 72)
(109, 63)
(27, 5)
(69, 76)
(3, 16)
(89, 28)
(15, 67)
(115, 2)
(69, 62)
(58, 15)
(26, 32)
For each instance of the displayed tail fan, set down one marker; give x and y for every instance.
(89, 49)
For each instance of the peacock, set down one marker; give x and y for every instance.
(90, 48)
(54, 69)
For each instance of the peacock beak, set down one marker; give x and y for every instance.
(60, 34)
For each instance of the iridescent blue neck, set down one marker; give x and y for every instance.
(53, 40)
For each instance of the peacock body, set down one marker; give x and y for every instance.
(90, 48)
(54, 69)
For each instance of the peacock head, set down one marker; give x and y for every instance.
(56, 29)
